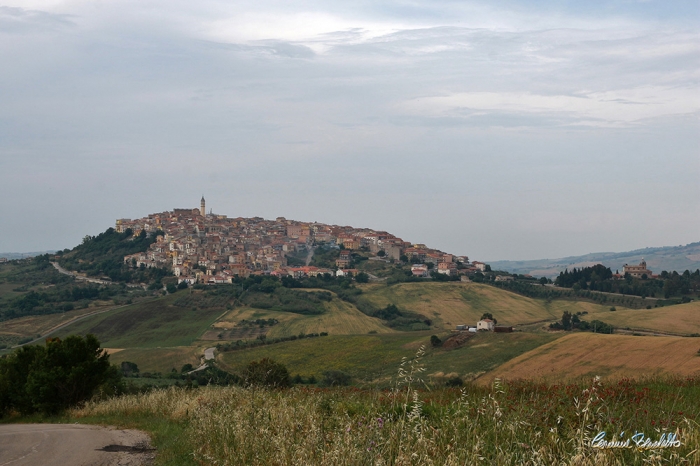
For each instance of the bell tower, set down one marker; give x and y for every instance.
(202, 209)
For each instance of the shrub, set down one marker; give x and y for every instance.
(267, 372)
(336, 378)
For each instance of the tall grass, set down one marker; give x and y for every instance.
(507, 423)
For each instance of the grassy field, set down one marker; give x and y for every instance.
(450, 304)
(31, 326)
(376, 358)
(161, 360)
(146, 325)
(507, 424)
(682, 319)
(339, 318)
(609, 356)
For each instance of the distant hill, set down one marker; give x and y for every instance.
(23, 255)
(678, 258)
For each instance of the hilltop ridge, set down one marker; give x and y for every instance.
(669, 258)
(203, 247)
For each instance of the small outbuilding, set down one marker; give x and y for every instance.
(502, 329)
(485, 324)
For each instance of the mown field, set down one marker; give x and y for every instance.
(450, 304)
(31, 326)
(376, 358)
(683, 319)
(609, 356)
(162, 360)
(146, 325)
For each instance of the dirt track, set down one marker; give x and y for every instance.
(72, 444)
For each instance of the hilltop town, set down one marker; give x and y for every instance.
(203, 247)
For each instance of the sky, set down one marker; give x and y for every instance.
(499, 130)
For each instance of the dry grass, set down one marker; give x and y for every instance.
(159, 359)
(682, 319)
(450, 304)
(591, 354)
(507, 424)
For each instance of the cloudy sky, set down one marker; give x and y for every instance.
(502, 130)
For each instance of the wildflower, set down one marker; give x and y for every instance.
(380, 422)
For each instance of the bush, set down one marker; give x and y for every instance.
(336, 379)
(268, 373)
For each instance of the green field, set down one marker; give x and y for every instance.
(339, 318)
(146, 325)
(377, 357)
(450, 304)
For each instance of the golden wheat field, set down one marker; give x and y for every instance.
(450, 304)
(608, 356)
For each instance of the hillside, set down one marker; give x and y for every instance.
(451, 304)
(609, 356)
(678, 258)
(376, 358)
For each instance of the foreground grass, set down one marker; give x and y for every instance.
(514, 423)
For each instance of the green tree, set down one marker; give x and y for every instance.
(362, 278)
(435, 341)
(267, 372)
(56, 376)
(566, 319)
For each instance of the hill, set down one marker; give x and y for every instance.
(376, 358)
(678, 258)
(156, 323)
(609, 356)
(454, 303)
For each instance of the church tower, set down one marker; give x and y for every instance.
(202, 209)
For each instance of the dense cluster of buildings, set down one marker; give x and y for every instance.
(203, 247)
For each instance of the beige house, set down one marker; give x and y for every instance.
(485, 324)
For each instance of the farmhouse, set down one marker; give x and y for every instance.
(485, 324)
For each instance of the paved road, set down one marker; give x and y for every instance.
(72, 444)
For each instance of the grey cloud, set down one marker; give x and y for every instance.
(20, 20)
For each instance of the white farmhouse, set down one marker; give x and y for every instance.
(485, 324)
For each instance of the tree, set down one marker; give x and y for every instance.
(544, 281)
(488, 315)
(336, 378)
(267, 372)
(362, 278)
(129, 369)
(566, 320)
(56, 376)
(381, 253)
(435, 342)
